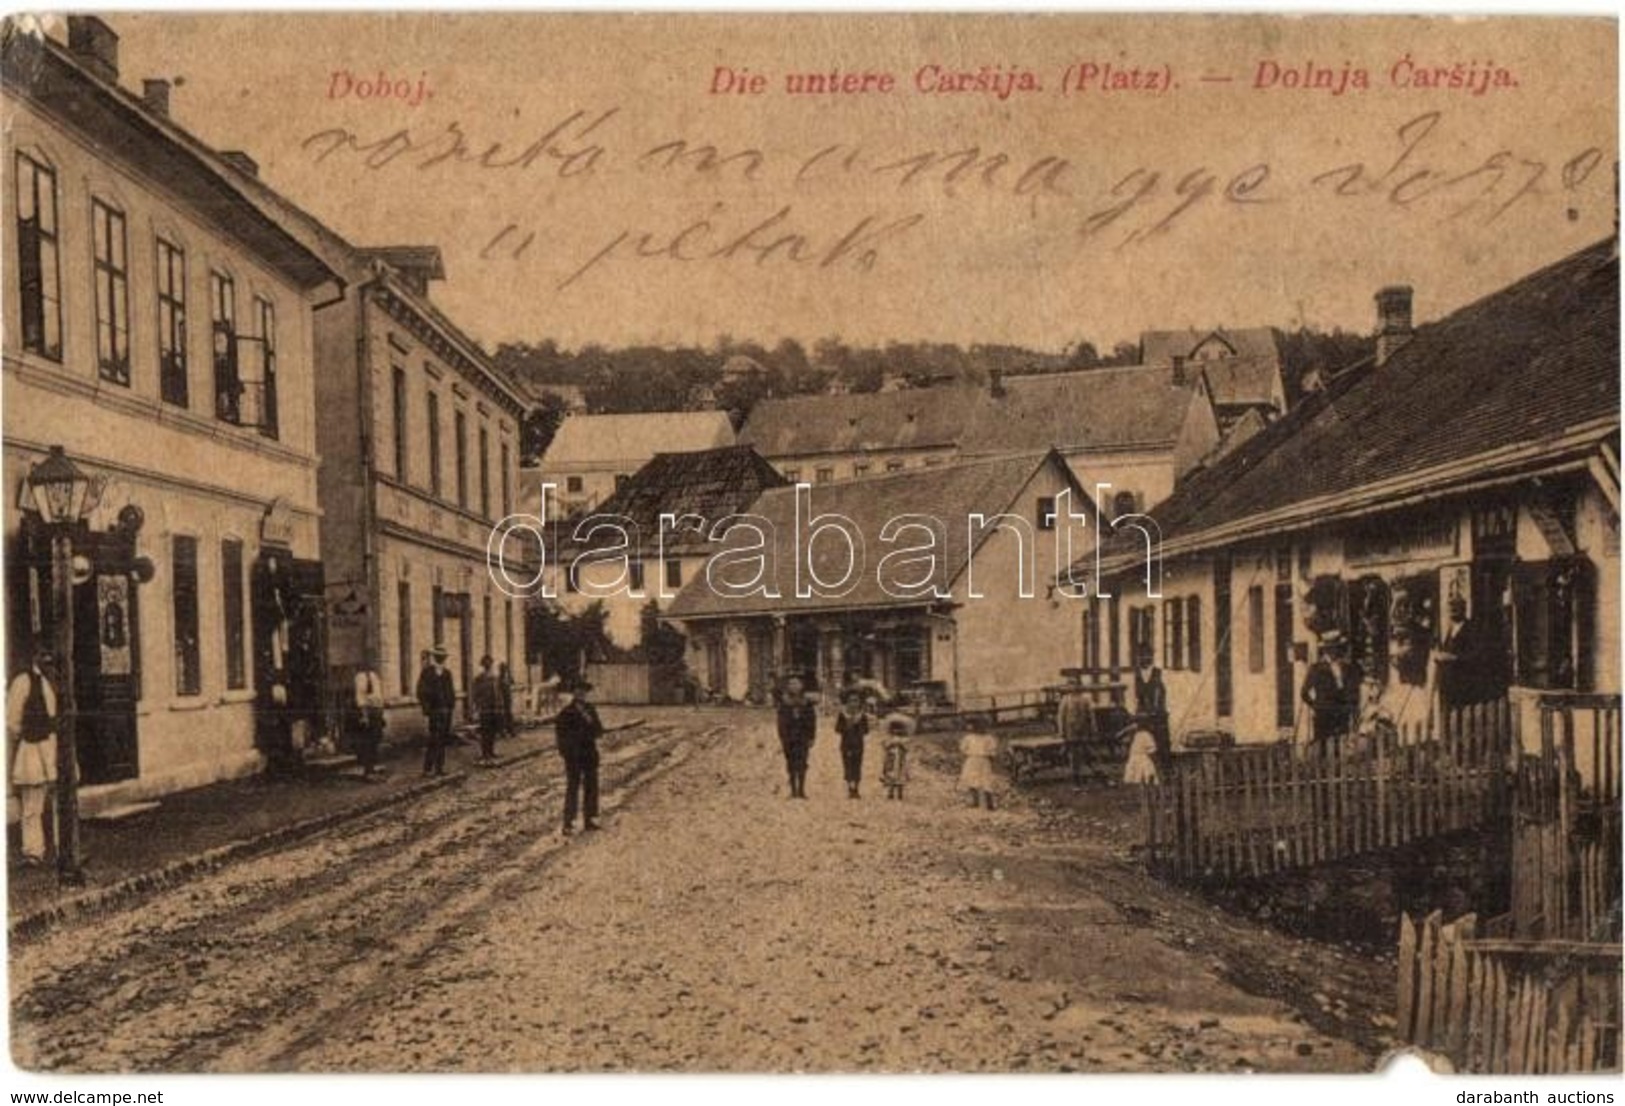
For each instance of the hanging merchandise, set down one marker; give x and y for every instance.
(1414, 621)
(1325, 605)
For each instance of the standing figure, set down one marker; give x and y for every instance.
(31, 722)
(978, 746)
(510, 727)
(368, 729)
(852, 724)
(1469, 660)
(1332, 689)
(1151, 709)
(798, 726)
(437, 695)
(894, 769)
(487, 693)
(578, 729)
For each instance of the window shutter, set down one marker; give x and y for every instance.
(1193, 632)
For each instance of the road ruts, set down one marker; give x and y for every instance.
(242, 970)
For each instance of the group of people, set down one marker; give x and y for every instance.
(491, 696)
(798, 729)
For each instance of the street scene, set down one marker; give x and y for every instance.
(460, 934)
(544, 543)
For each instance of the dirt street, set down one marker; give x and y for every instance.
(714, 924)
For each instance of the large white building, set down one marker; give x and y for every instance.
(158, 328)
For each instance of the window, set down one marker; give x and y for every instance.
(188, 663)
(674, 573)
(932, 462)
(485, 472)
(38, 258)
(507, 631)
(172, 387)
(1555, 637)
(112, 271)
(635, 571)
(1046, 512)
(403, 636)
(860, 469)
(1255, 630)
(434, 448)
(228, 387)
(398, 397)
(1125, 503)
(507, 486)
(792, 475)
(1193, 633)
(894, 466)
(266, 310)
(1142, 634)
(231, 597)
(437, 598)
(459, 442)
(573, 485)
(1091, 633)
(485, 614)
(1173, 634)
(826, 475)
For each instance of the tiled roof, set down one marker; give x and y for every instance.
(1109, 408)
(920, 418)
(711, 483)
(635, 438)
(1525, 375)
(1094, 408)
(949, 493)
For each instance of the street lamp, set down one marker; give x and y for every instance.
(63, 496)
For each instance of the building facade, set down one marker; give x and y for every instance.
(1466, 477)
(988, 624)
(159, 328)
(420, 448)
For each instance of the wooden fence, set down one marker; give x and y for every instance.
(1496, 1004)
(1566, 822)
(1030, 705)
(1252, 811)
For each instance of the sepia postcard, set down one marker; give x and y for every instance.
(770, 543)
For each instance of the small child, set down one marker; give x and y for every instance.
(894, 770)
(978, 747)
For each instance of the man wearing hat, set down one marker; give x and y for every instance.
(437, 695)
(578, 729)
(31, 714)
(1332, 688)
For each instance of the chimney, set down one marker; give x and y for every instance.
(95, 44)
(995, 383)
(241, 161)
(1393, 320)
(1179, 370)
(155, 94)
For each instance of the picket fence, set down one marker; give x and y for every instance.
(1254, 811)
(1494, 1004)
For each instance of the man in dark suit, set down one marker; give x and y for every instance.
(437, 695)
(578, 729)
(1331, 689)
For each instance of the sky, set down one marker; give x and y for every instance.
(1108, 174)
